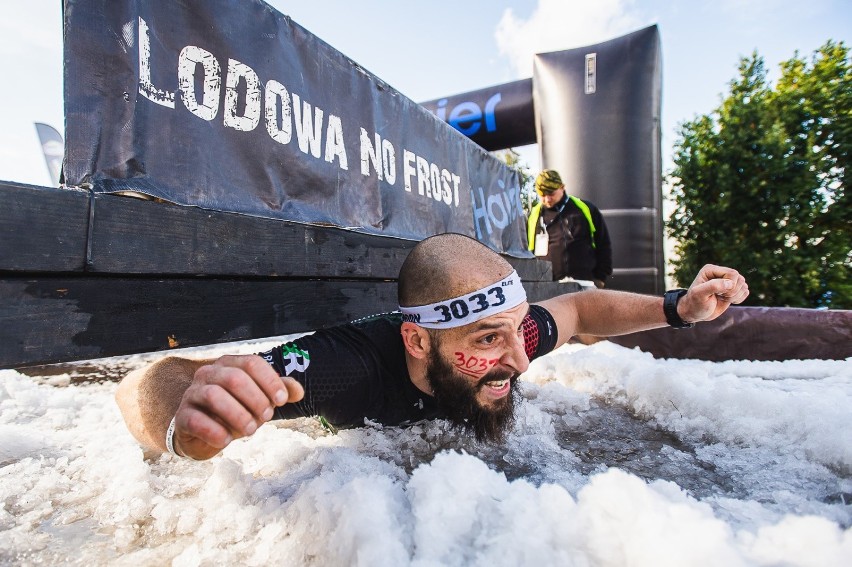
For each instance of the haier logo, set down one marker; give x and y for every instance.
(498, 209)
(467, 117)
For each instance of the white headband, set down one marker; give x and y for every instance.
(457, 311)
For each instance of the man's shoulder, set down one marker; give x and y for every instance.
(380, 329)
(586, 202)
(594, 208)
(379, 332)
(390, 319)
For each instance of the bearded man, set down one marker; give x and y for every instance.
(454, 350)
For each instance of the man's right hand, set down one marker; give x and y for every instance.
(227, 400)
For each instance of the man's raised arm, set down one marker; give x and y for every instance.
(211, 402)
(611, 313)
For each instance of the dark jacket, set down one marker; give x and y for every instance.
(571, 249)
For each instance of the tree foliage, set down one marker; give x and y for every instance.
(760, 184)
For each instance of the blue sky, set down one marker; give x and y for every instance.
(431, 49)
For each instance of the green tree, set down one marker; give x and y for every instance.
(760, 183)
(513, 159)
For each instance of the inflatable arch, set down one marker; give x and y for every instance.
(595, 113)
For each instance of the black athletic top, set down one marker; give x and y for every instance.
(357, 371)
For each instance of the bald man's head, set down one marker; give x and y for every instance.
(445, 266)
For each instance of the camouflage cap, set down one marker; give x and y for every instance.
(548, 181)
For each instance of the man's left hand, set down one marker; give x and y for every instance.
(714, 290)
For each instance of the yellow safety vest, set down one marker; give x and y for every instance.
(535, 213)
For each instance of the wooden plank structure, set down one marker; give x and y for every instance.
(86, 275)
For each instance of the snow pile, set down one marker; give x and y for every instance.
(616, 459)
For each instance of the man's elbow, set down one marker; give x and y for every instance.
(127, 399)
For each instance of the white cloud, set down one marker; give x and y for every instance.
(562, 24)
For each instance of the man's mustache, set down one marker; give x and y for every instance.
(495, 375)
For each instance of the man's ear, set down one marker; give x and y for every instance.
(415, 339)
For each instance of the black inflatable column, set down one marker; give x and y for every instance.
(597, 112)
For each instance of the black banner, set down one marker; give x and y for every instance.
(497, 117)
(233, 106)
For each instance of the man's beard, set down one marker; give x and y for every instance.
(456, 398)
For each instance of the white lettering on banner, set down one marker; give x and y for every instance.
(435, 181)
(334, 142)
(318, 134)
(389, 161)
(499, 209)
(146, 87)
(368, 154)
(278, 97)
(190, 57)
(278, 104)
(407, 169)
(440, 179)
(446, 177)
(382, 155)
(432, 181)
(309, 132)
(308, 126)
(249, 120)
(423, 186)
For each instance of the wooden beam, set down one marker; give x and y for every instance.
(49, 230)
(54, 319)
(42, 229)
(88, 276)
(133, 236)
(47, 319)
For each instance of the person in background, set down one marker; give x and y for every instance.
(569, 232)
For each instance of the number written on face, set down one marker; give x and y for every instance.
(473, 365)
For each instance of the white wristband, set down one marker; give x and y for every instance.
(170, 441)
(170, 438)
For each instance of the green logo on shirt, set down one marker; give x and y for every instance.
(295, 359)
